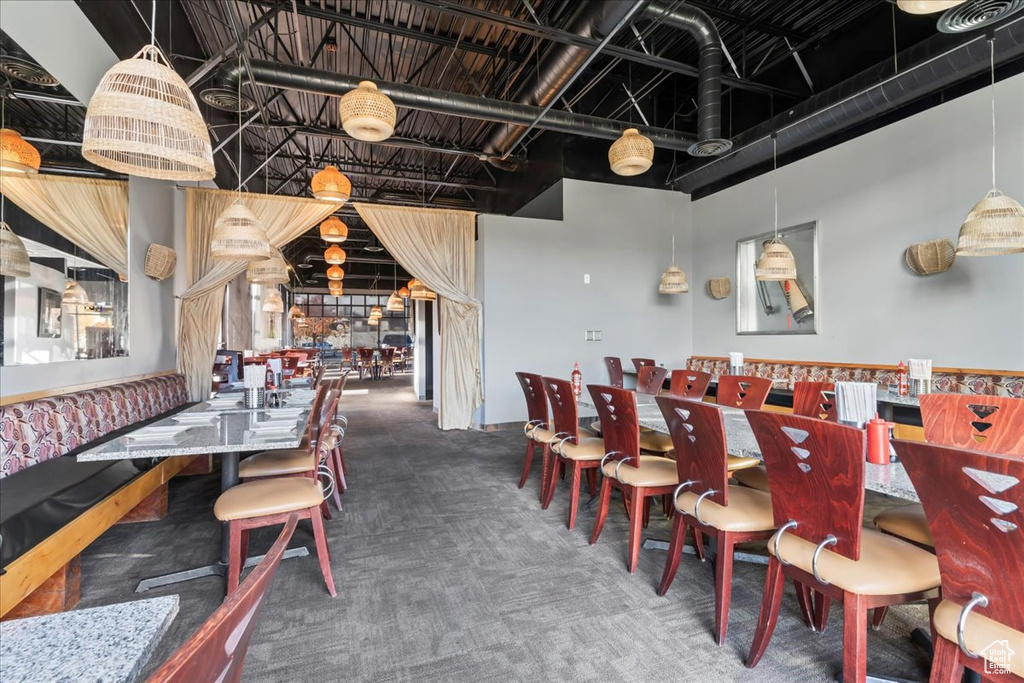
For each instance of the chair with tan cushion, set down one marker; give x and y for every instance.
(706, 501)
(614, 366)
(267, 502)
(536, 429)
(637, 477)
(816, 470)
(572, 447)
(974, 503)
(993, 424)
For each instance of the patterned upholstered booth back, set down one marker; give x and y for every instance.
(786, 374)
(45, 428)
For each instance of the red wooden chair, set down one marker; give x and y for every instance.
(536, 428)
(576, 448)
(975, 507)
(642, 362)
(816, 471)
(638, 477)
(289, 366)
(387, 360)
(993, 424)
(707, 502)
(815, 399)
(365, 361)
(216, 652)
(745, 392)
(346, 357)
(650, 379)
(689, 384)
(614, 366)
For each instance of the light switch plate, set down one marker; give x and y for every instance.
(586, 278)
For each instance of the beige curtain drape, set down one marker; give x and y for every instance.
(90, 212)
(284, 218)
(436, 246)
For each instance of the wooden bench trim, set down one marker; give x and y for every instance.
(32, 569)
(61, 391)
(946, 371)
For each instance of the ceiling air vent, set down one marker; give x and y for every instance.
(226, 99)
(26, 71)
(977, 14)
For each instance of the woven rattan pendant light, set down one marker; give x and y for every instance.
(143, 120)
(335, 255)
(271, 271)
(376, 312)
(373, 322)
(367, 114)
(74, 295)
(927, 6)
(776, 262)
(331, 185)
(16, 154)
(295, 313)
(333, 230)
(631, 154)
(272, 302)
(395, 302)
(996, 224)
(419, 292)
(335, 287)
(237, 234)
(404, 292)
(673, 280)
(335, 273)
(13, 255)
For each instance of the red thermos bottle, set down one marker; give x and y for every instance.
(878, 441)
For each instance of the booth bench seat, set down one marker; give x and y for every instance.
(52, 505)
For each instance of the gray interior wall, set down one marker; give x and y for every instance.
(537, 309)
(62, 40)
(873, 196)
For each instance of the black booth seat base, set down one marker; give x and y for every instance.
(38, 501)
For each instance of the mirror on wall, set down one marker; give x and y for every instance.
(72, 219)
(787, 307)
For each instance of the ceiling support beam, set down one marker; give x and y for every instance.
(216, 60)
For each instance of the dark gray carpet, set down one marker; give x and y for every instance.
(447, 572)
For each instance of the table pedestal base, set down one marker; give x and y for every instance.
(218, 569)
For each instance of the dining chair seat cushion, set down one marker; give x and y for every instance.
(887, 565)
(656, 442)
(748, 510)
(980, 632)
(753, 477)
(654, 470)
(595, 426)
(272, 496)
(586, 432)
(541, 435)
(906, 521)
(588, 448)
(277, 463)
(741, 462)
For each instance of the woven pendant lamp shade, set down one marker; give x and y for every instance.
(927, 6)
(367, 114)
(335, 287)
(331, 185)
(160, 262)
(74, 295)
(419, 292)
(931, 257)
(335, 255)
(272, 302)
(13, 256)
(295, 313)
(333, 230)
(673, 281)
(404, 292)
(412, 284)
(395, 303)
(719, 287)
(336, 273)
(776, 263)
(632, 154)
(271, 271)
(143, 120)
(994, 226)
(239, 236)
(376, 312)
(16, 154)
(373, 321)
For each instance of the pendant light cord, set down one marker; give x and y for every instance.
(152, 25)
(775, 180)
(992, 69)
(239, 129)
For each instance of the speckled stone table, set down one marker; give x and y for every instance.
(109, 644)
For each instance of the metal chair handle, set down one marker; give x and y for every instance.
(696, 506)
(529, 426)
(557, 448)
(829, 540)
(977, 600)
(675, 495)
(791, 524)
(624, 460)
(606, 456)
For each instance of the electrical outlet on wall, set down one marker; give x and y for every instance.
(588, 335)
(597, 335)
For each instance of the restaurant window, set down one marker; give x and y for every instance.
(333, 323)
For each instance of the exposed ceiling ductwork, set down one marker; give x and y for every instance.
(932, 65)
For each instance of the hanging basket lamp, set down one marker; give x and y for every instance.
(295, 313)
(994, 226)
(373, 321)
(404, 292)
(272, 302)
(74, 295)
(367, 114)
(631, 154)
(271, 271)
(335, 255)
(335, 273)
(239, 236)
(160, 262)
(13, 255)
(16, 154)
(335, 287)
(395, 303)
(719, 287)
(143, 120)
(673, 281)
(376, 312)
(333, 230)
(331, 185)
(419, 292)
(927, 6)
(776, 263)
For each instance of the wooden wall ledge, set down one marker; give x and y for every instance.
(61, 391)
(864, 366)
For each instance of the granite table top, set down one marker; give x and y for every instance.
(891, 479)
(230, 428)
(109, 644)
